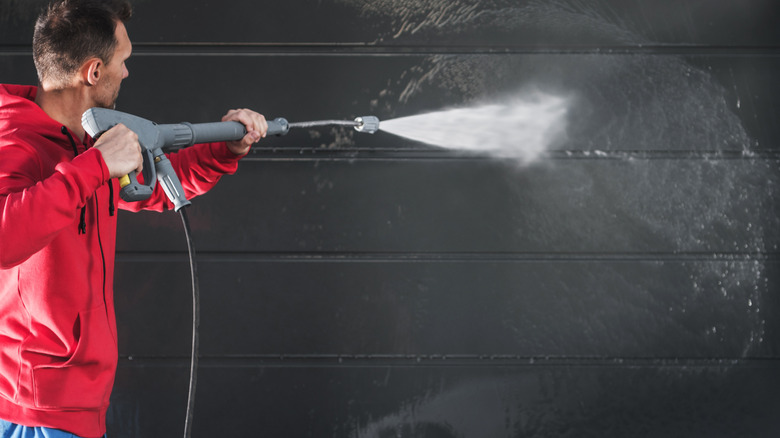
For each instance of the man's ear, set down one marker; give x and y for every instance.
(91, 71)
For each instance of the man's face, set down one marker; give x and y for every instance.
(115, 71)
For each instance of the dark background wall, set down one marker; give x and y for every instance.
(354, 285)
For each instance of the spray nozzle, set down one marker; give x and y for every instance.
(369, 124)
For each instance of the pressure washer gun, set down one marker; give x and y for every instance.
(153, 138)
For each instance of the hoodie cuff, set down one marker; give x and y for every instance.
(228, 161)
(96, 158)
(84, 174)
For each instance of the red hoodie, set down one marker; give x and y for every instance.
(58, 340)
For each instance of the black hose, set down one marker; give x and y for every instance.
(195, 325)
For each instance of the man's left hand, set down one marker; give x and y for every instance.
(256, 128)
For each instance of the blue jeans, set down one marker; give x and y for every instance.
(11, 430)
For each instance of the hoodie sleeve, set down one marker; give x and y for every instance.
(39, 198)
(198, 167)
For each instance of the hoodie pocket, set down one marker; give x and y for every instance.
(84, 381)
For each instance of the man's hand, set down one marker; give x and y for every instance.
(121, 151)
(256, 127)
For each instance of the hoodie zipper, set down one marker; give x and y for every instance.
(83, 221)
(83, 224)
(111, 209)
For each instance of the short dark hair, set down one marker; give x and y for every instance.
(69, 32)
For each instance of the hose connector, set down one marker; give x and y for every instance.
(369, 124)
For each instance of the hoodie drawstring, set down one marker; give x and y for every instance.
(111, 197)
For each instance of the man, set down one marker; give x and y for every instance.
(58, 348)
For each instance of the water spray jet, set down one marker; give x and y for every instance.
(522, 127)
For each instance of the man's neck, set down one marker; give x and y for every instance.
(64, 105)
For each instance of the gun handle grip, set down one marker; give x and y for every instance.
(132, 190)
(136, 191)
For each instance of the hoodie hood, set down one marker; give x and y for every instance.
(21, 116)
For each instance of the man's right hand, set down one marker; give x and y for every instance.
(121, 151)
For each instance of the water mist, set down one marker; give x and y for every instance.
(521, 128)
